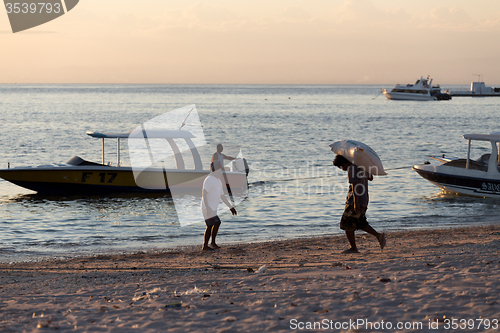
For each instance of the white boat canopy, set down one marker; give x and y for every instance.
(493, 138)
(483, 137)
(169, 135)
(163, 134)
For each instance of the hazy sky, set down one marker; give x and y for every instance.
(258, 41)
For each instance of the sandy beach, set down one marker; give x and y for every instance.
(446, 279)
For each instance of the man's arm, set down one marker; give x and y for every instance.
(355, 197)
(228, 204)
(352, 178)
(228, 157)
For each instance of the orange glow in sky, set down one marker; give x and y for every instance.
(257, 41)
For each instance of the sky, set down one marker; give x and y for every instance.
(258, 42)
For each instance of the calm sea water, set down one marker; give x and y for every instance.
(284, 132)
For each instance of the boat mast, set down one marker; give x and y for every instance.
(102, 151)
(468, 155)
(117, 151)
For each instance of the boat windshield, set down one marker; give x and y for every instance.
(462, 163)
(482, 144)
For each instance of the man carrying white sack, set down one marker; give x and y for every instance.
(212, 194)
(354, 217)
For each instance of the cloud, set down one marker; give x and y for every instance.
(360, 14)
(297, 13)
(453, 18)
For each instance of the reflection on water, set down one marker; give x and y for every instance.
(283, 131)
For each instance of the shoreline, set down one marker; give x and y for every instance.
(194, 251)
(424, 276)
(157, 250)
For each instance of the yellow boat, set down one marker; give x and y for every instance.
(78, 176)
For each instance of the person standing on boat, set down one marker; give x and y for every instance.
(354, 216)
(220, 157)
(212, 194)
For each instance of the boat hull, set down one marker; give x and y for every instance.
(409, 96)
(472, 94)
(103, 179)
(457, 181)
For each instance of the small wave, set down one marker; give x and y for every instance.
(259, 183)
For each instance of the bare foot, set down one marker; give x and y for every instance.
(206, 248)
(350, 251)
(214, 246)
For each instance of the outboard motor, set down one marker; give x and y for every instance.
(240, 165)
(247, 168)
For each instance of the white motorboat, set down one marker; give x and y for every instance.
(480, 177)
(422, 90)
(78, 176)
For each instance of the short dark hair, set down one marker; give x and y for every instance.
(340, 161)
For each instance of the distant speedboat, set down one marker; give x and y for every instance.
(479, 177)
(78, 176)
(422, 90)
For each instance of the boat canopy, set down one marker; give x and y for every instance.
(493, 138)
(169, 135)
(483, 137)
(163, 134)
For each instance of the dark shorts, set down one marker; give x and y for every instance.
(352, 220)
(212, 221)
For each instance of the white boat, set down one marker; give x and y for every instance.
(477, 89)
(480, 177)
(422, 90)
(78, 176)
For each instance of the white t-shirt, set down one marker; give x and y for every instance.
(220, 159)
(213, 186)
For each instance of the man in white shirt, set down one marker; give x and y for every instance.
(212, 194)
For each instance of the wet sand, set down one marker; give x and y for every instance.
(425, 278)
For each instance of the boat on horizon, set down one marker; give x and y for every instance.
(79, 176)
(477, 89)
(422, 90)
(480, 177)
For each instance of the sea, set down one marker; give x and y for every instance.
(284, 132)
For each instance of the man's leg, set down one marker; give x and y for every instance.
(380, 237)
(215, 229)
(352, 240)
(208, 233)
(346, 224)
